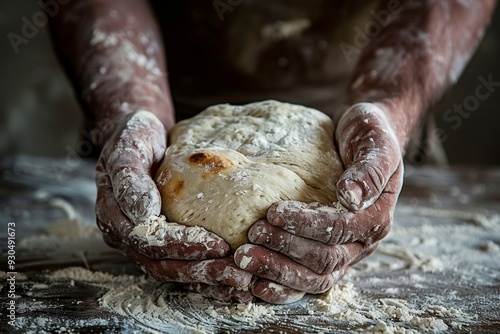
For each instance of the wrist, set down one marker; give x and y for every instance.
(105, 126)
(400, 114)
(367, 119)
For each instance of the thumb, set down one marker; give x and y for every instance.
(371, 154)
(129, 159)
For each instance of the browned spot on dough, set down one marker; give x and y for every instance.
(212, 163)
(172, 188)
(176, 186)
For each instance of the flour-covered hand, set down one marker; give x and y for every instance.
(127, 197)
(306, 248)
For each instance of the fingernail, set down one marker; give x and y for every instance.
(274, 218)
(352, 194)
(140, 209)
(259, 239)
(258, 233)
(237, 278)
(241, 258)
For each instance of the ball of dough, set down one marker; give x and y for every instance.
(226, 166)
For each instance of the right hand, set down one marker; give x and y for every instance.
(127, 196)
(307, 247)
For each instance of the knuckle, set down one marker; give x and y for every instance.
(324, 283)
(329, 262)
(377, 180)
(380, 231)
(286, 244)
(337, 258)
(280, 276)
(339, 232)
(384, 232)
(386, 226)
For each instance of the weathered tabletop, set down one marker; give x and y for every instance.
(439, 270)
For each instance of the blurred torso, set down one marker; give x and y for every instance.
(243, 51)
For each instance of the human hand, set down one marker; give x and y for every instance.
(306, 248)
(127, 197)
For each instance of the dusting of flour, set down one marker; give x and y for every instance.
(410, 285)
(162, 307)
(156, 230)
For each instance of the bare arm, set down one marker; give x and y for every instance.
(416, 56)
(113, 53)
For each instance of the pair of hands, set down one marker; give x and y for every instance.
(299, 248)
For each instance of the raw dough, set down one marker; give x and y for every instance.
(226, 166)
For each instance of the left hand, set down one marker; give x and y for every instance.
(306, 248)
(127, 196)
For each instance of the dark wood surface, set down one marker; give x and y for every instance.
(458, 200)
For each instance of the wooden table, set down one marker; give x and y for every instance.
(441, 260)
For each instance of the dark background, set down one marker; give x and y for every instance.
(39, 115)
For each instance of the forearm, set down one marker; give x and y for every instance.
(113, 54)
(416, 56)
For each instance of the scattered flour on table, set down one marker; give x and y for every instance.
(66, 241)
(162, 307)
(419, 250)
(393, 315)
(490, 247)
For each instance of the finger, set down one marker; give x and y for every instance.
(217, 271)
(129, 162)
(170, 241)
(371, 153)
(110, 219)
(311, 220)
(173, 241)
(315, 255)
(334, 225)
(221, 292)
(275, 293)
(281, 269)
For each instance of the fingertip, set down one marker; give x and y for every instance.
(236, 277)
(147, 205)
(259, 232)
(273, 207)
(137, 195)
(350, 194)
(217, 248)
(278, 212)
(274, 216)
(243, 257)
